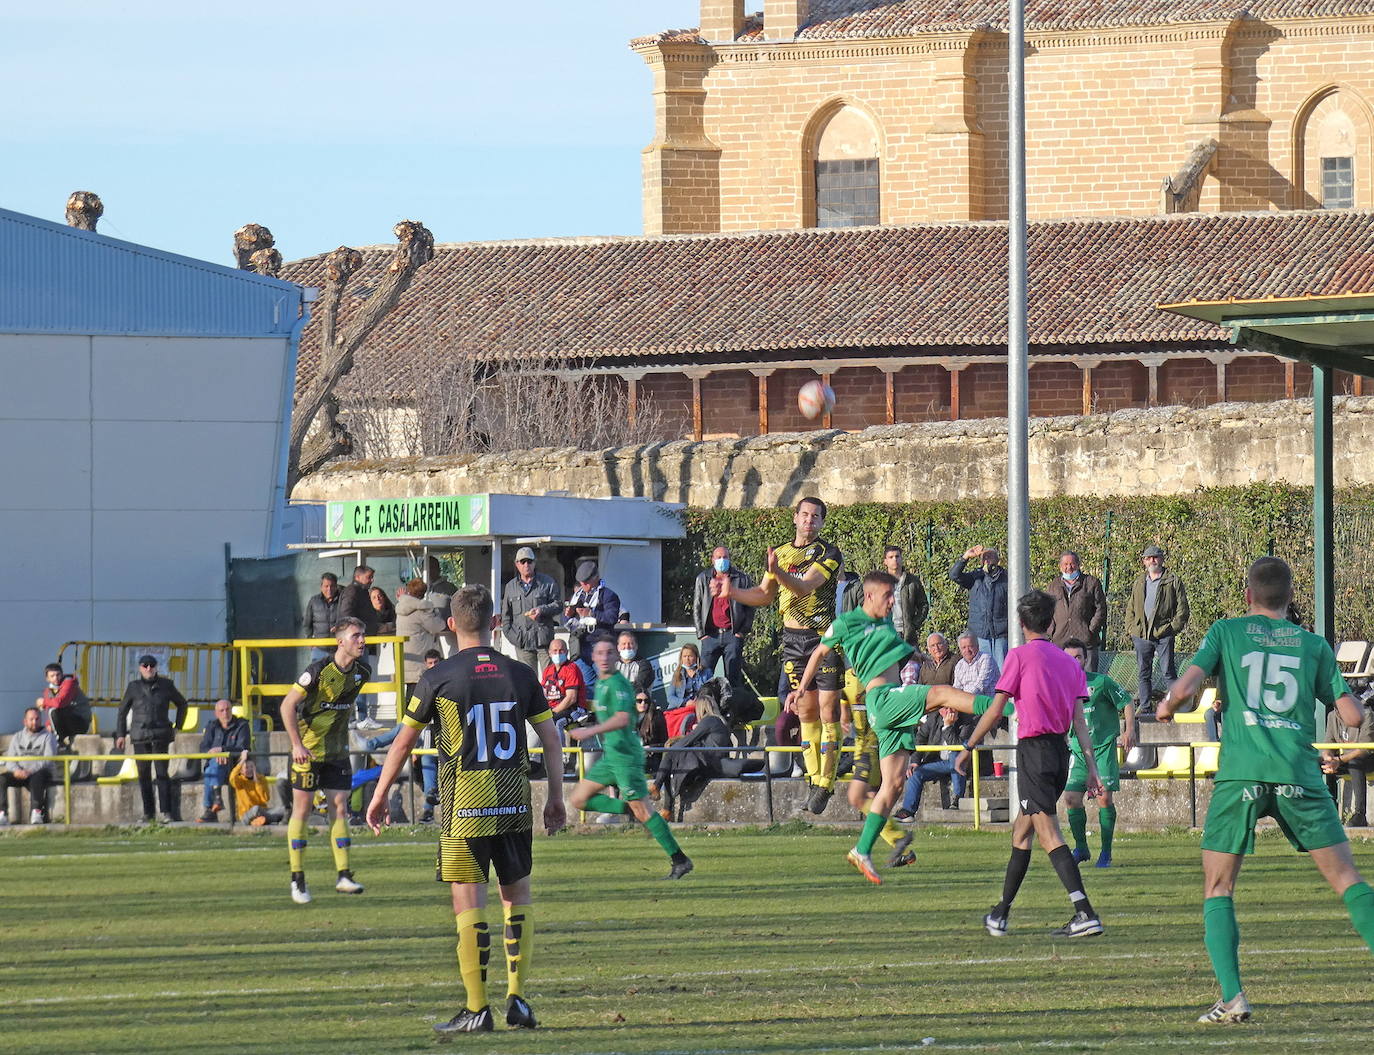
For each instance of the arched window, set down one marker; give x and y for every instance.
(1335, 144)
(846, 171)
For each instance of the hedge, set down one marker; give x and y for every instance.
(1210, 538)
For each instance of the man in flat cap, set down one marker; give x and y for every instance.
(1155, 616)
(592, 612)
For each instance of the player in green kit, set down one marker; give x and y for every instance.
(1107, 701)
(1270, 673)
(871, 645)
(622, 761)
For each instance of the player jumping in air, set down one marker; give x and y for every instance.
(315, 714)
(1106, 702)
(1049, 689)
(1270, 674)
(871, 645)
(800, 576)
(478, 702)
(622, 761)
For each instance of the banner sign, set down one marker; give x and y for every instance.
(404, 518)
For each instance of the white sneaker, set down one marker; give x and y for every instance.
(370, 724)
(4, 818)
(609, 818)
(300, 893)
(1223, 1014)
(36, 817)
(348, 885)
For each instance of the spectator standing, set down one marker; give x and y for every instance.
(529, 603)
(69, 709)
(420, 619)
(938, 663)
(1156, 615)
(593, 610)
(721, 622)
(356, 603)
(32, 740)
(1080, 607)
(386, 610)
(439, 584)
(1353, 763)
(987, 599)
(912, 607)
(143, 720)
(228, 735)
(322, 613)
(974, 673)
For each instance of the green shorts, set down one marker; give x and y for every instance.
(1307, 816)
(627, 776)
(1108, 769)
(894, 712)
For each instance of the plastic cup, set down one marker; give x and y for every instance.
(999, 769)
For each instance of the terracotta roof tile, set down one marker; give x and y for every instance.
(928, 286)
(838, 19)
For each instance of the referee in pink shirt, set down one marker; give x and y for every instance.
(1049, 690)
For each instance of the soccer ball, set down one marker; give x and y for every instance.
(815, 398)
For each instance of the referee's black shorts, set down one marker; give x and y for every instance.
(1042, 764)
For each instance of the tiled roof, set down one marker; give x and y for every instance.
(838, 19)
(928, 286)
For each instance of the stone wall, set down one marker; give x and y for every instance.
(1166, 450)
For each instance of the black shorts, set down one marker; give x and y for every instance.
(797, 646)
(1042, 764)
(469, 859)
(333, 774)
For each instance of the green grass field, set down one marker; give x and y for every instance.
(186, 941)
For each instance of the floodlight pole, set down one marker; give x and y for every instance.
(1018, 370)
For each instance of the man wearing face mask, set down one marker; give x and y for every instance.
(722, 622)
(987, 599)
(564, 687)
(1080, 608)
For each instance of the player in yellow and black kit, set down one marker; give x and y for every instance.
(315, 714)
(801, 578)
(478, 702)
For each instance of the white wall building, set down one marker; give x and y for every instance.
(143, 423)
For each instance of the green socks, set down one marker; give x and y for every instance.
(1222, 938)
(873, 824)
(605, 804)
(1078, 827)
(1106, 821)
(658, 828)
(1359, 900)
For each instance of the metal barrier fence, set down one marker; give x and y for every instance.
(203, 672)
(765, 778)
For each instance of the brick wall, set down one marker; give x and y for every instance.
(1110, 113)
(1118, 385)
(1188, 383)
(922, 393)
(1255, 380)
(1055, 388)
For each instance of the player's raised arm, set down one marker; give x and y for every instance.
(760, 596)
(396, 757)
(555, 813)
(1184, 688)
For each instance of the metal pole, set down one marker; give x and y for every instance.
(1018, 369)
(1323, 508)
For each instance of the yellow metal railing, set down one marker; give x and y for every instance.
(252, 691)
(203, 672)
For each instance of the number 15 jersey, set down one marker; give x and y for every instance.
(479, 701)
(1271, 675)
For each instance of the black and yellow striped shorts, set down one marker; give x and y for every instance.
(468, 859)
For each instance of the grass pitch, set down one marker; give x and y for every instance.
(186, 941)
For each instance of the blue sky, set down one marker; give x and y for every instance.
(328, 122)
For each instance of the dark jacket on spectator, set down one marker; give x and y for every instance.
(233, 741)
(602, 600)
(532, 635)
(987, 599)
(143, 710)
(1079, 613)
(741, 615)
(355, 602)
(1171, 608)
(420, 622)
(933, 731)
(321, 616)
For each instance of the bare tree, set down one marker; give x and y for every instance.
(84, 210)
(314, 443)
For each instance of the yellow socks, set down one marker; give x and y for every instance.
(830, 754)
(474, 950)
(519, 940)
(295, 842)
(339, 842)
(811, 750)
